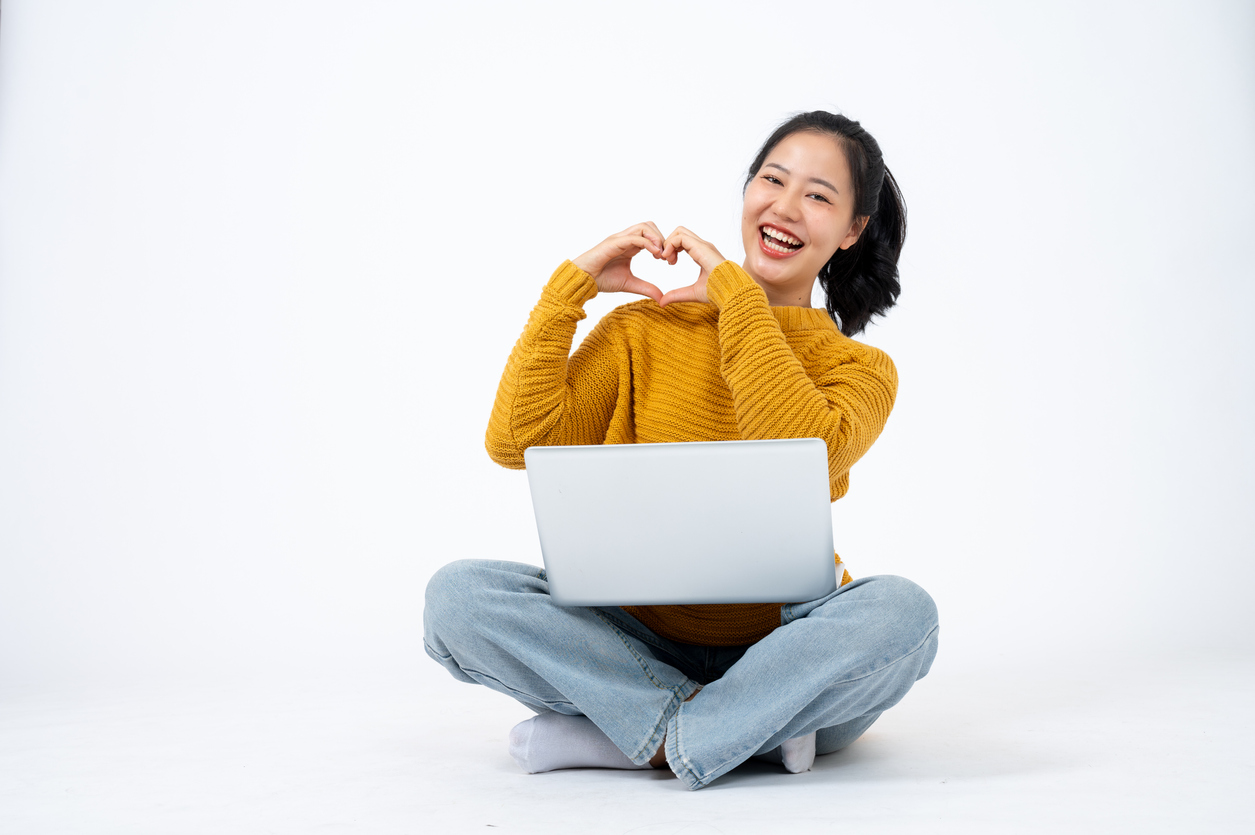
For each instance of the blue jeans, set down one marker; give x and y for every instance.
(832, 666)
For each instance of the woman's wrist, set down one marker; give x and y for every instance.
(583, 264)
(725, 281)
(571, 285)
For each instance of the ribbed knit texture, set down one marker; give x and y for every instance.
(735, 369)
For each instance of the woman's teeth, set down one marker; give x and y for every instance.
(778, 241)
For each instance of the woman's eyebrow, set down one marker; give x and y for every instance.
(824, 183)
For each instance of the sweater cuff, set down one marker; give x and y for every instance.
(570, 285)
(726, 281)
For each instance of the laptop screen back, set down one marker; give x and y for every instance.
(706, 522)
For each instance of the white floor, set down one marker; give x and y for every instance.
(1114, 745)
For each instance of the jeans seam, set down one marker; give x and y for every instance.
(617, 623)
(900, 659)
(436, 654)
(522, 697)
(668, 710)
(685, 769)
(640, 661)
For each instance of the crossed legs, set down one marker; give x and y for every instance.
(832, 667)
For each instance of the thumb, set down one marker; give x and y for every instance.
(641, 287)
(681, 294)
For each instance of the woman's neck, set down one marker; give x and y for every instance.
(784, 296)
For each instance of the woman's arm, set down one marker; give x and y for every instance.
(547, 397)
(845, 395)
(845, 401)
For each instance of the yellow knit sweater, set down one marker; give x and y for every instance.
(733, 369)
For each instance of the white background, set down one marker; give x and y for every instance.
(261, 264)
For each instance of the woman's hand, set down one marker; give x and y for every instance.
(706, 256)
(610, 262)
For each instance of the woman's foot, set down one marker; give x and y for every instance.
(554, 740)
(796, 755)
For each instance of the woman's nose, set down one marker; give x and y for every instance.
(788, 205)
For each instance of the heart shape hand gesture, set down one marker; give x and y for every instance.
(610, 262)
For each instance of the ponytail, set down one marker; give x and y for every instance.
(862, 281)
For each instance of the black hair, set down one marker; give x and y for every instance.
(862, 281)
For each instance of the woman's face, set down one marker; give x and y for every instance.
(799, 210)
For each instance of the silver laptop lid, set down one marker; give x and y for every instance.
(706, 522)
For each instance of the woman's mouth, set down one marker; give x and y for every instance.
(777, 242)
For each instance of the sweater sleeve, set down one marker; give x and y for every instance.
(547, 397)
(845, 399)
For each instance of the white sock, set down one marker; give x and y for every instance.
(796, 755)
(554, 740)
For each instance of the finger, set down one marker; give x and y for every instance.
(682, 232)
(649, 232)
(699, 249)
(680, 294)
(620, 247)
(684, 239)
(642, 288)
(628, 244)
(653, 228)
(681, 240)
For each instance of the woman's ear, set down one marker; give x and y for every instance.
(856, 229)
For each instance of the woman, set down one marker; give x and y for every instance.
(738, 354)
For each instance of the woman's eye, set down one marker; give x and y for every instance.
(821, 197)
(771, 179)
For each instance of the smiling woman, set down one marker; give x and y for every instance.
(739, 354)
(799, 211)
(828, 173)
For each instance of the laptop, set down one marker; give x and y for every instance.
(677, 523)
